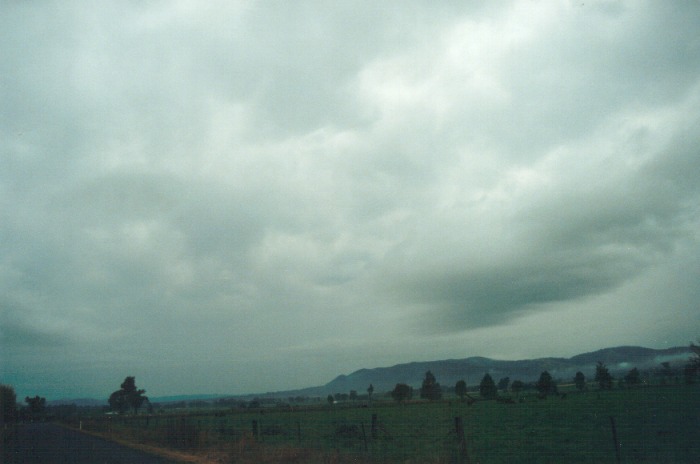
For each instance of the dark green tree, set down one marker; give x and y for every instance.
(517, 386)
(117, 402)
(330, 400)
(633, 378)
(430, 389)
(545, 385)
(487, 387)
(128, 397)
(689, 374)
(603, 377)
(503, 384)
(666, 372)
(37, 406)
(461, 389)
(8, 404)
(580, 381)
(370, 390)
(401, 393)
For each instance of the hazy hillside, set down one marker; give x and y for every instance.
(448, 372)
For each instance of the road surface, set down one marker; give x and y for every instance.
(42, 443)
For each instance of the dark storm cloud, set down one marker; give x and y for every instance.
(580, 234)
(20, 330)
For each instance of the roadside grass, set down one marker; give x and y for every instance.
(653, 424)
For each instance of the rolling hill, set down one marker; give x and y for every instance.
(448, 372)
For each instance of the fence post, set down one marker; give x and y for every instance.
(255, 429)
(299, 431)
(617, 443)
(463, 456)
(364, 435)
(373, 429)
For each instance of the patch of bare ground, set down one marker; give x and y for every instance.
(173, 455)
(244, 451)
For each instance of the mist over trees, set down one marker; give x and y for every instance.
(633, 377)
(695, 358)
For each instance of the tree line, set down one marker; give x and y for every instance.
(545, 385)
(130, 398)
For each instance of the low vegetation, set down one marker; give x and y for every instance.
(653, 424)
(649, 416)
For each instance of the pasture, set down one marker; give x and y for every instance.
(653, 424)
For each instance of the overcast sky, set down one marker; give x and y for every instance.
(240, 197)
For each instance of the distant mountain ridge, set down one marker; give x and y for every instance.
(448, 372)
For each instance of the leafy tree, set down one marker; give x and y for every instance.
(401, 393)
(517, 386)
(666, 372)
(503, 384)
(353, 395)
(117, 402)
(370, 390)
(545, 385)
(8, 404)
(689, 374)
(330, 399)
(632, 377)
(37, 406)
(580, 381)
(603, 377)
(127, 397)
(487, 388)
(431, 388)
(461, 389)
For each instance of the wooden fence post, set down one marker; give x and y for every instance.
(364, 435)
(255, 429)
(615, 441)
(463, 456)
(373, 429)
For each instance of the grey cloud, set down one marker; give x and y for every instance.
(25, 336)
(595, 222)
(487, 297)
(229, 185)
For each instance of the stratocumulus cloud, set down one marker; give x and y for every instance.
(262, 196)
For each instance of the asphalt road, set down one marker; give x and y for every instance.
(51, 444)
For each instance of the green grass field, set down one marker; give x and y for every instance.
(654, 424)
